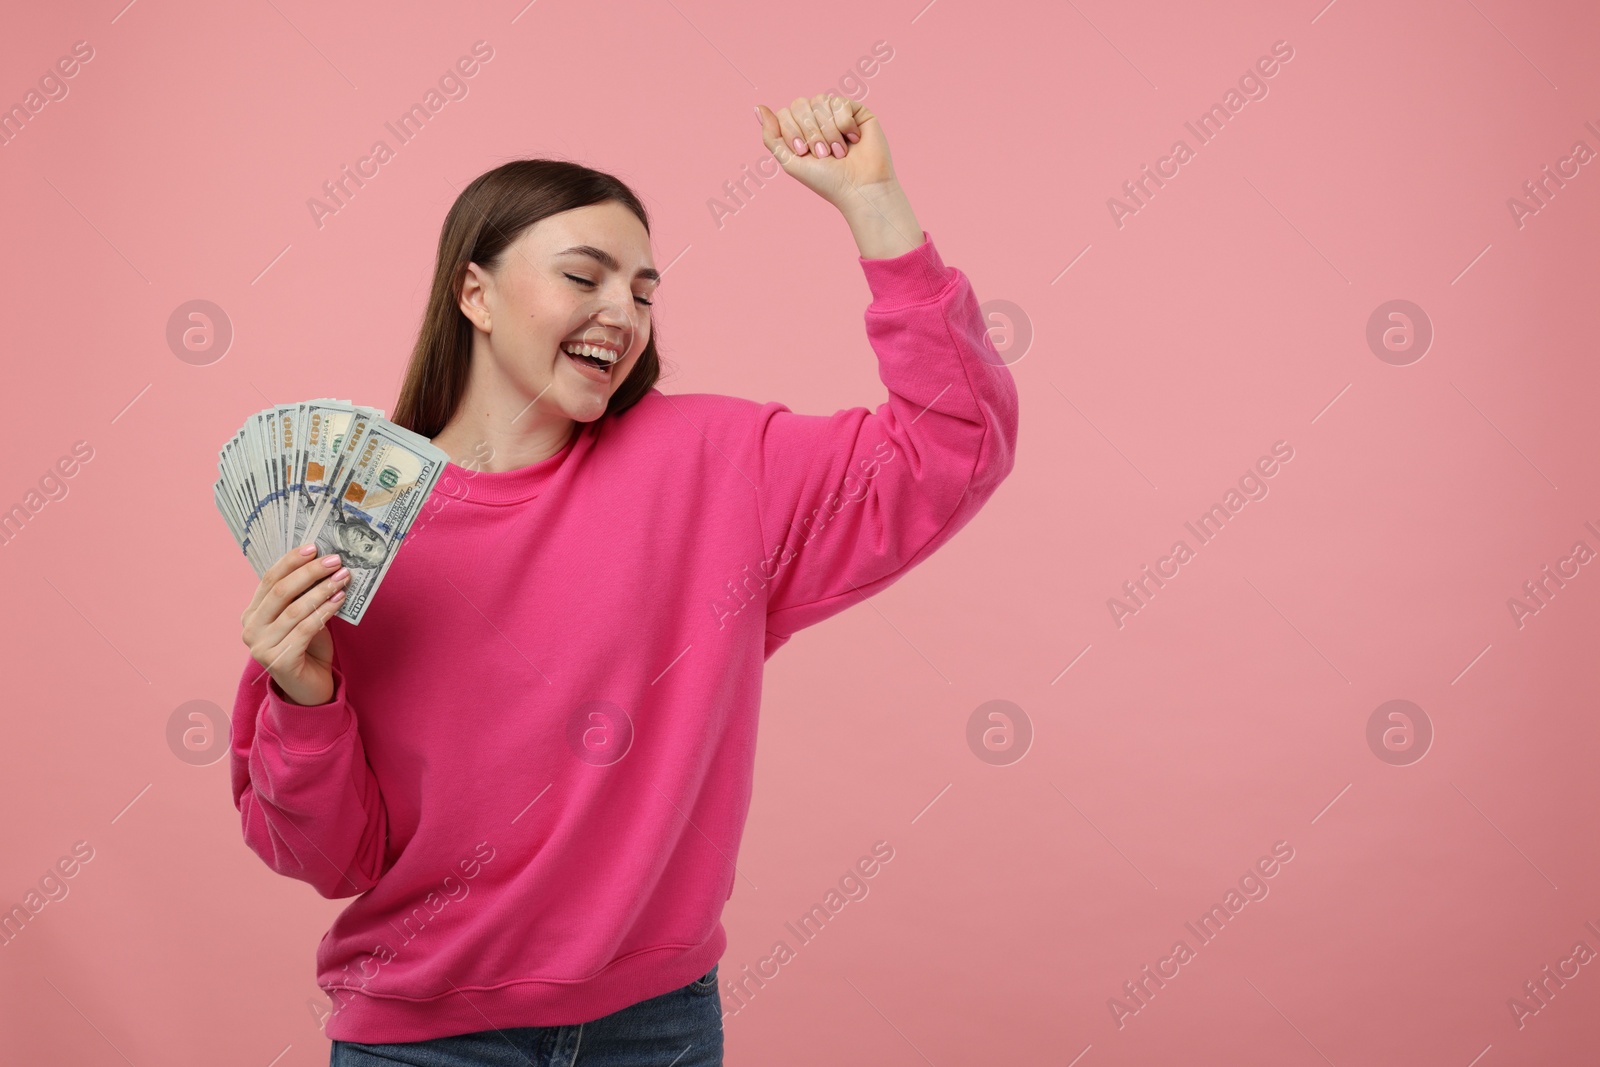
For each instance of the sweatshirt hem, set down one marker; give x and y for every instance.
(371, 1018)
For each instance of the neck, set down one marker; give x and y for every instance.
(517, 429)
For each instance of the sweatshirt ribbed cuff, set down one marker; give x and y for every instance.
(912, 278)
(308, 727)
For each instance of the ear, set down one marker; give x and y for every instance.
(473, 297)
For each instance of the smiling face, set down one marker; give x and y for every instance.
(582, 276)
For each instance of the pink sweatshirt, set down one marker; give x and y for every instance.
(535, 769)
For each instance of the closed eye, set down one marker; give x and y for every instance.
(591, 284)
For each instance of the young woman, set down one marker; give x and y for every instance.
(531, 763)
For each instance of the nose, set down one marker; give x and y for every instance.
(612, 322)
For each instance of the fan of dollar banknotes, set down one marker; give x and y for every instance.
(330, 472)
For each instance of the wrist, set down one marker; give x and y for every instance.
(881, 220)
(863, 203)
(879, 189)
(299, 696)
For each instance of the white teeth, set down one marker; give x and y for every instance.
(609, 355)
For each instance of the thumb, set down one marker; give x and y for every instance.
(772, 134)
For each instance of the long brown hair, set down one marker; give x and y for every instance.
(485, 220)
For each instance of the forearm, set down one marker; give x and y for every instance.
(881, 220)
(928, 458)
(309, 801)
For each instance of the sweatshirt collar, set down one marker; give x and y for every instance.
(512, 486)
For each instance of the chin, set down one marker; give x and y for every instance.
(585, 408)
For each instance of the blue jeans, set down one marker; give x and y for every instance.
(682, 1028)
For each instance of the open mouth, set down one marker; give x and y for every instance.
(593, 356)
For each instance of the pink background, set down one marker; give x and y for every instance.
(1228, 314)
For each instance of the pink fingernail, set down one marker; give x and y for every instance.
(306, 550)
(852, 137)
(341, 574)
(822, 149)
(799, 146)
(330, 561)
(838, 149)
(335, 598)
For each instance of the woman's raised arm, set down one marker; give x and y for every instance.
(850, 501)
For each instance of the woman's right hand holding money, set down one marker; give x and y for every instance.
(285, 626)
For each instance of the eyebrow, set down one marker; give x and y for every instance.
(607, 260)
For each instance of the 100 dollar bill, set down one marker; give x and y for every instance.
(381, 475)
